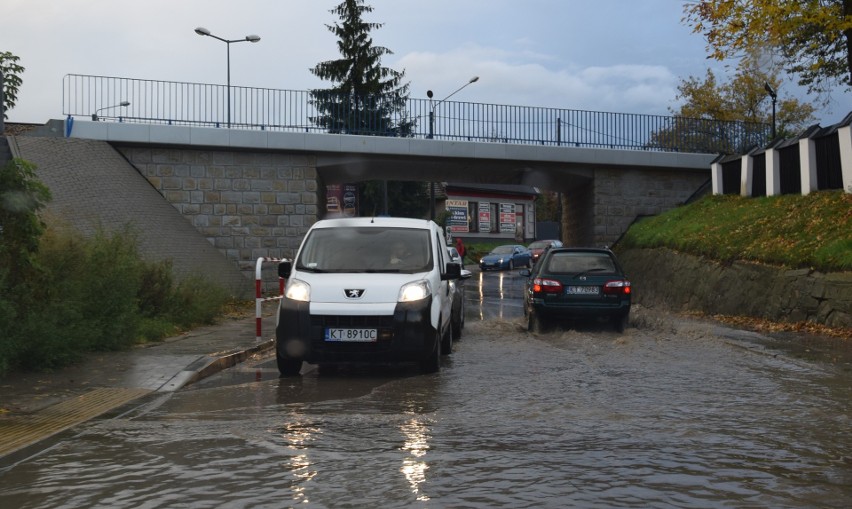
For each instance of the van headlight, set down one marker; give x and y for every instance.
(414, 291)
(298, 290)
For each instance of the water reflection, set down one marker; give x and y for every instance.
(299, 436)
(497, 296)
(416, 434)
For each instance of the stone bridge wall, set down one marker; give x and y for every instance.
(250, 204)
(247, 204)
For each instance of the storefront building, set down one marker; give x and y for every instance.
(491, 212)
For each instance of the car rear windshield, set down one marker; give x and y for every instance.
(575, 263)
(366, 249)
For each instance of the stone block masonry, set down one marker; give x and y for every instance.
(247, 204)
(616, 197)
(682, 282)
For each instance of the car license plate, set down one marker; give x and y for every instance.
(354, 335)
(583, 290)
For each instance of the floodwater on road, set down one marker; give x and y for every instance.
(672, 413)
(675, 412)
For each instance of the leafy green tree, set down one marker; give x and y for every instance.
(743, 103)
(366, 97)
(813, 38)
(22, 195)
(11, 71)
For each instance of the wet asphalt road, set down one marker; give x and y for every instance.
(673, 413)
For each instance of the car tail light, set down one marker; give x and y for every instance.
(617, 287)
(541, 285)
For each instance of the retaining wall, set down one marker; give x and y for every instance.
(681, 282)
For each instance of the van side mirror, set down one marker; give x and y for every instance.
(284, 268)
(453, 271)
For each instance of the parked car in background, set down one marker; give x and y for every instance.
(454, 255)
(576, 283)
(539, 246)
(507, 256)
(457, 295)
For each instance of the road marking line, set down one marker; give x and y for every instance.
(19, 431)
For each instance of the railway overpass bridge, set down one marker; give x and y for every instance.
(254, 193)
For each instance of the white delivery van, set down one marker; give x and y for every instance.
(367, 290)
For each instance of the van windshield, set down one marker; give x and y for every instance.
(366, 249)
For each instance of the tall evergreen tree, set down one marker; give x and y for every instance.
(365, 98)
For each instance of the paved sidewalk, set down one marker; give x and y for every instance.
(34, 406)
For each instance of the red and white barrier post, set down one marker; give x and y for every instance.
(258, 291)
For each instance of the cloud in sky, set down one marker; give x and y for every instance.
(607, 55)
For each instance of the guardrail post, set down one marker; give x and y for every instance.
(558, 132)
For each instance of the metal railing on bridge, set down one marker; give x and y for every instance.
(198, 104)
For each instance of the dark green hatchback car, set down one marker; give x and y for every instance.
(576, 283)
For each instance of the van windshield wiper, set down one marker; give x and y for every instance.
(312, 269)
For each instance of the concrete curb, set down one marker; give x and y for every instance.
(216, 364)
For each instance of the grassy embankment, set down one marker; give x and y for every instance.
(813, 231)
(792, 231)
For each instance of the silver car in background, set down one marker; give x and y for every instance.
(457, 292)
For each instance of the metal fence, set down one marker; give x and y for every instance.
(179, 103)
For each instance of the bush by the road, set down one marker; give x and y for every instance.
(63, 295)
(96, 294)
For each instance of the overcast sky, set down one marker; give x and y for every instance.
(602, 55)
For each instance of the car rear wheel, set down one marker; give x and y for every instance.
(619, 322)
(534, 322)
(288, 366)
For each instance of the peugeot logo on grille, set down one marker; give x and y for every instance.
(354, 294)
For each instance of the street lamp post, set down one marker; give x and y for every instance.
(250, 38)
(122, 104)
(432, 108)
(774, 96)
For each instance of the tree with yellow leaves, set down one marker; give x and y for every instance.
(742, 103)
(813, 38)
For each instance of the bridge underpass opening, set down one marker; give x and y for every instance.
(573, 185)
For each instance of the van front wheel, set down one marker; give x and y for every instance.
(432, 363)
(288, 366)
